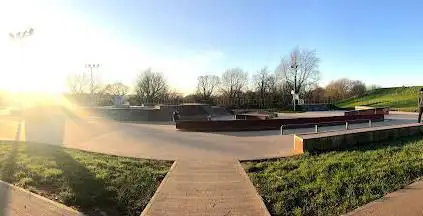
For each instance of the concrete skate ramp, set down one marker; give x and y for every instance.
(270, 124)
(158, 112)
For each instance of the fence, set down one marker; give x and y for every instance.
(242, 102)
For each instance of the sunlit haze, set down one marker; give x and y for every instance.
(373, 42)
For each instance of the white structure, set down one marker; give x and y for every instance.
(119, 100)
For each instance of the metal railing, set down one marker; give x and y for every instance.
(334, 123)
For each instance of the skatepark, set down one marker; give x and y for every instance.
(161, 140)
(206, 175)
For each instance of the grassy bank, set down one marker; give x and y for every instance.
(399, 98)
(336, 182)
(92, 183)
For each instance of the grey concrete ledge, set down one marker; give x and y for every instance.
(348, 138)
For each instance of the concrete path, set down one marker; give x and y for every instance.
(15, 201)
(206, 187)
(407, 201)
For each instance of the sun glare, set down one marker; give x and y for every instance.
(26, 56)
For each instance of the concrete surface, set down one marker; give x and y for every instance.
(145, 140)
(18, 202)
(311, 114)
(162, 141)
(347, 138)
(407, 201)
(207, 181)
(199, 187)
(394, 119)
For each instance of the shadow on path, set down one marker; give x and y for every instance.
(45, 128)
(248, 133)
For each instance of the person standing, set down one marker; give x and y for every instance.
(176, 116)
(420, 105)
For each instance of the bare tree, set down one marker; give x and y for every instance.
(373, 87)
(206, 86)
(174, 97)
(116, 89)
(78, 83)
(263, 83)
(300, 70)
(356, 88)
(337, 89)
(233, 82)
(151, 86)
(344, 88)
(316, 95)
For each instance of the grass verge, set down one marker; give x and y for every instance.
(398, 98)
(89, 182)
(335, 183)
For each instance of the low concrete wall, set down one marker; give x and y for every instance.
(270, 124)
(157, 113)
(316, 107)
(251, 117)
(367, 111)
(133, 114)
(346, 139)
(385, 109)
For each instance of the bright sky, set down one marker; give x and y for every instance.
(379, 42)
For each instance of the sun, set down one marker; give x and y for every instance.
(24, 68)
(26, 59)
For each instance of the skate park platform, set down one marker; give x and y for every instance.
(160, 140)
(338, 140)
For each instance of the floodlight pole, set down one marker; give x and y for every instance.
(91, 66)
(295, 67)
(21, 35)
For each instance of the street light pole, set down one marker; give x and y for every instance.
(295, 67)
(21, 35)
(91, 66)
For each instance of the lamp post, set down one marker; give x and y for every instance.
(294, 66)
(21, 35)
(91, 66)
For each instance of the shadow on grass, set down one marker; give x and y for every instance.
(9, 169)
(375, 146)
(391, 143)
(82, 188)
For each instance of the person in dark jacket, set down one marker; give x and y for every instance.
(420, 105)
(176, 116)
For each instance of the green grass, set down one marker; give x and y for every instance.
(400, 98)
(89, 182)
(335, 183)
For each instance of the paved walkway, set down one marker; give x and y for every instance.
(407, 201)
(15, 201)
(206, 188)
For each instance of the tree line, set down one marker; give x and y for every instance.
(298, 71)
